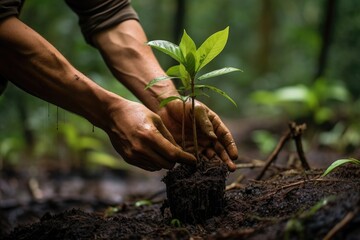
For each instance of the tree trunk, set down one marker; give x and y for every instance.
(326, 36)
(179, 21)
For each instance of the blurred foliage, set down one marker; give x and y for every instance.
(276, 43)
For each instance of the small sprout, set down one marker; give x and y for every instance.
(294, 226)
(111, 211)
(143, 202)
(175, 223)
(338, 163)
(313, 210)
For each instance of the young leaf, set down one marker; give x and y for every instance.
(156, 80)
(218, 72)
(174, 71)
(211, 47)
(338, 163)
(215, 89)
(185, 76)
(172, 98)
(190, 63)
(188, 49)
(168, 48)
(187, 45)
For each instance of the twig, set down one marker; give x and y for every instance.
(275, 153)
(235, 184)
(249, 165)
(340, 225)
(296, 132)
(295, 184)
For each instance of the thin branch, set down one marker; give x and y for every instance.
(296, 133)
(340, 225)
(275, 153)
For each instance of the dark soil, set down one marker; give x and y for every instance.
(195, 194)
(290, 205)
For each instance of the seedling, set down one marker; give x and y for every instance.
(143, 202)
(338, 163)
(190, 61)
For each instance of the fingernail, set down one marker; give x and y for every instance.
(212, 135)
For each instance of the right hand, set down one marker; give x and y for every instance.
(142, 139)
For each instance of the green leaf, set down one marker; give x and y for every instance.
(217, 90)
(218, 72)
(174, 71)
(338, 163)
(172, 98)
(212, 47)
(168, 48)
(187, 45)
(185, 77)
(156, 80)
(188, 49)
(190, 64)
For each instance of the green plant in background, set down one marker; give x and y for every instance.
(339, 163)
(87, 149)
(318, 100)
(190, 61)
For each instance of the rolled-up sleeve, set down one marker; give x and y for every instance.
(9, 8)
(97, 15)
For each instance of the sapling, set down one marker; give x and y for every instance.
(190, 61)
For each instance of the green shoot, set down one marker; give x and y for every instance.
(338, 163)
(175, 223)
(190, 61)
(143, 202)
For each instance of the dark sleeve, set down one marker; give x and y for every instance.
(9, 8)
(97, 15)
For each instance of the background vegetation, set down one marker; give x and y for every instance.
(300, 61)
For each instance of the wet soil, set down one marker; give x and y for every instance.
(195, 194)
(291, 204)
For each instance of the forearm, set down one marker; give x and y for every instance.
(34, 65)
(133, 63)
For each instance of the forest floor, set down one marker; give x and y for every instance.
(288, 203)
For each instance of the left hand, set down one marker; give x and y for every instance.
(213, 136)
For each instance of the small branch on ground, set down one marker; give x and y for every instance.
(235, 184)
(340, 225)
(296, 132)
(275, 153)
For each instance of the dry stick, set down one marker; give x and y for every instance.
(296, 132)
(340, 225)
(275, 153)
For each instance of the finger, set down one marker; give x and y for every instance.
(169, 150)
(225, 137)
(164, 131)
(222, 153)
(203, 121)
(150, 159)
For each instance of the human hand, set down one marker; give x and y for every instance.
(142, 139)
(213, 136)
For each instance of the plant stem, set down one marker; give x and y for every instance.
(183, 127)
(196, 153)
